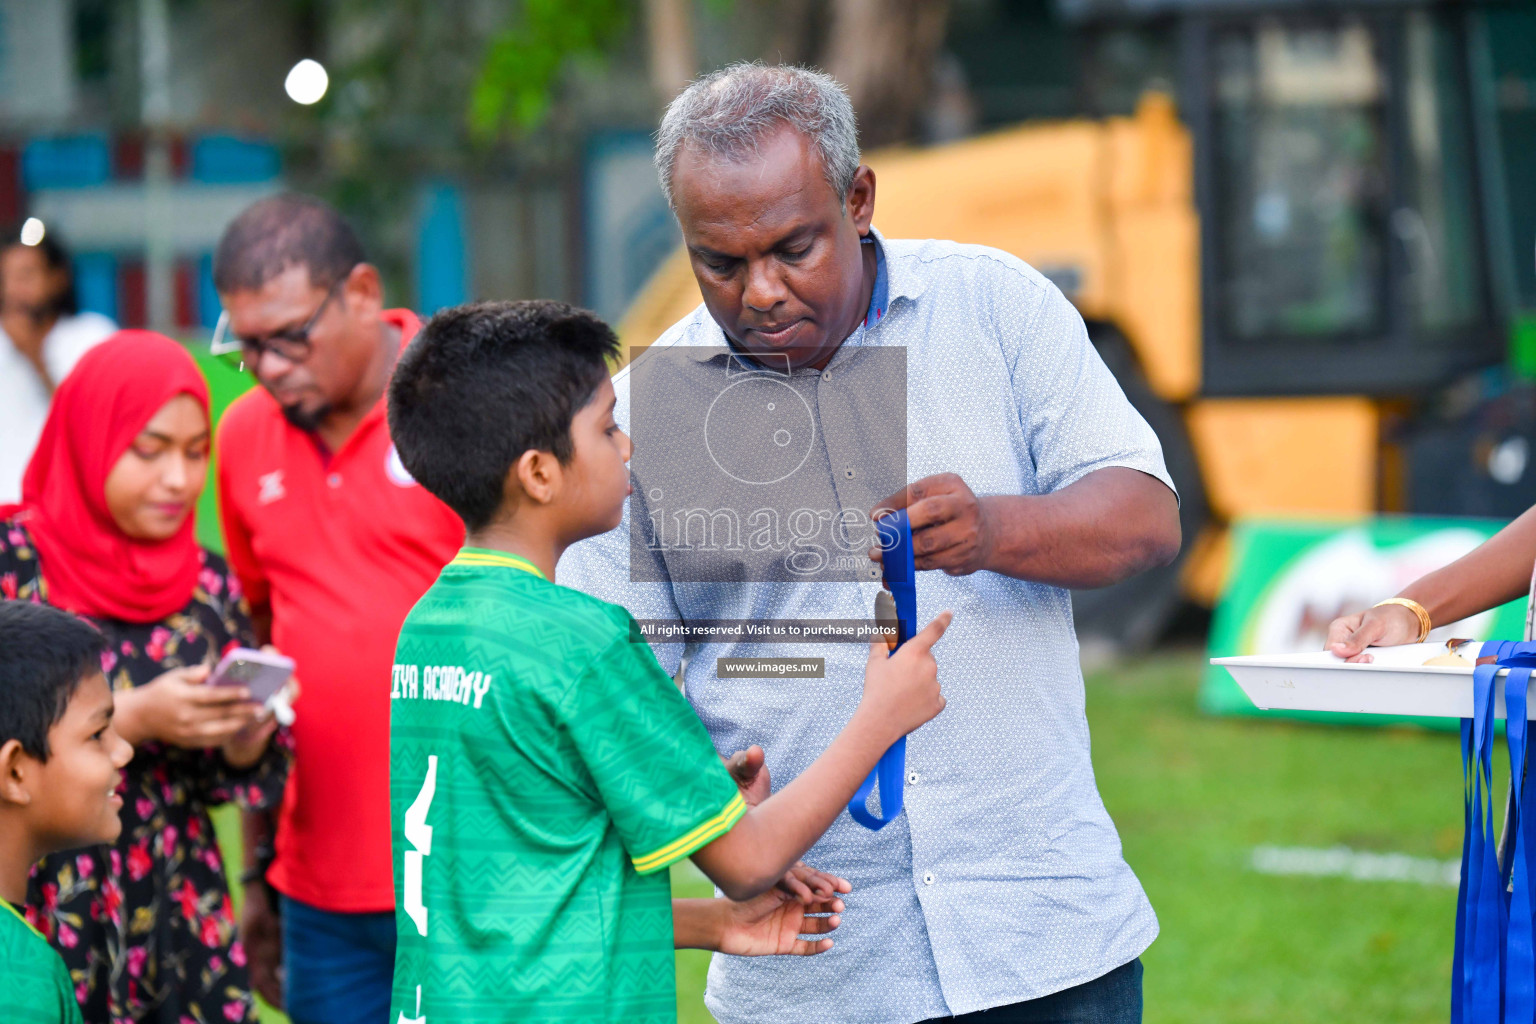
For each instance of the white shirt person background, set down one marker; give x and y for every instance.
(42, 336)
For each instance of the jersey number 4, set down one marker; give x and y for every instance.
(419, 834)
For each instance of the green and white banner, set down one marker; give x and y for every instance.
(1288, 579)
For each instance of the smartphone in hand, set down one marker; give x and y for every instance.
(258, 671)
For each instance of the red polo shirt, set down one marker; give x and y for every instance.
(340, 546)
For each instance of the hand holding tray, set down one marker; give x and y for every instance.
(1396, 682)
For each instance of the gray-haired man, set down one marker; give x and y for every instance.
(827, 368)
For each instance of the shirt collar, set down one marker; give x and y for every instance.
(504, 559)
(904, 278)
(891, 283)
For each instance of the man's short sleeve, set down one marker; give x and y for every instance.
(655, 768)
(1076, 418)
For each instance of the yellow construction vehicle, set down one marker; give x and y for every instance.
(1297, 253)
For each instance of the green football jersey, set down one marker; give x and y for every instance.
(34, 984)
(544, 770)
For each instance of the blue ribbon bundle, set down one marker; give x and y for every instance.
(1493, 977)
(895, 532)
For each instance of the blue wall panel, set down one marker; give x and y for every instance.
(442, 264)
(96, 282)
(227, 160)
(72, 161)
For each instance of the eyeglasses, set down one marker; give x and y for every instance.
(292, 344)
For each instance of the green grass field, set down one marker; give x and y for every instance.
(1194, 795)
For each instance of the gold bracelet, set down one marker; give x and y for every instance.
(1418, 611)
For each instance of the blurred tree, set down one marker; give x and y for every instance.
(522, 62)
(674, 58)
(882, 50)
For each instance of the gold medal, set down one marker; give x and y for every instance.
(885, 616)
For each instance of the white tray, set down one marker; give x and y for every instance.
(1397, 682)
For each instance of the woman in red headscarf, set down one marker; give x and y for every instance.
(105, 530)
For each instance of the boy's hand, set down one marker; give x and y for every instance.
(810, 885)
(771, 925)
(901, 690)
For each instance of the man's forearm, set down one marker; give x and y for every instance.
(1106, 527)
(697, 924)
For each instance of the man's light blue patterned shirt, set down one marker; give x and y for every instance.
(1003, 881)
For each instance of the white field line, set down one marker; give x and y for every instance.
(1361, 865)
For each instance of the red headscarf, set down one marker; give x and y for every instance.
(90, 566)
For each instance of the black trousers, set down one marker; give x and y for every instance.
(1114, 998)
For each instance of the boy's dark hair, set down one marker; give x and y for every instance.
(44, 654)
(486, 382)
(283, 231)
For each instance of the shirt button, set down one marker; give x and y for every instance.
(912, 778)
(927, 877)
(850, 473)
(334, 479)
(826, 374)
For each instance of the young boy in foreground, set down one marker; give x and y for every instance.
(544, 770)
(60, 766)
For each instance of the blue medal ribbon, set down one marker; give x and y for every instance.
(1494, 970)
(895, 533)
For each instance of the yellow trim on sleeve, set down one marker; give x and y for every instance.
(683, 845)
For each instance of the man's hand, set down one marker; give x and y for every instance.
(262, 934)
(750, 773)
(771, 925)
(951, 529)
(1383, 626)
(1095, 532)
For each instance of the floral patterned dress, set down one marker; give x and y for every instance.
(145, 926)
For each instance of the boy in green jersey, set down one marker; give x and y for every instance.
(544, 770)
(60, 766)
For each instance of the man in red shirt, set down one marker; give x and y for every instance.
(334, 542)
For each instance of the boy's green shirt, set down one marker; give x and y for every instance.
(34, 984)
(544, 770)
